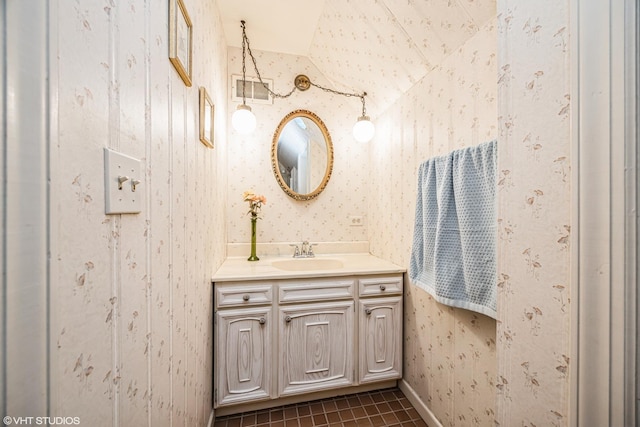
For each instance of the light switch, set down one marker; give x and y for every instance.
(123, 186)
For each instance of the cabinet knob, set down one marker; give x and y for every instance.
(383, 287)
(246, 297)
(263, 320)
(368, 311)
(287, 319)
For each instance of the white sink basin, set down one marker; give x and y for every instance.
(303, 264)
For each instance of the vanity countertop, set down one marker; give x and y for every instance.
(235, 269)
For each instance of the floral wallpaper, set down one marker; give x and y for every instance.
(387, 46)
(450, 357)
(132, 306)
(283, 219)
(534, 264)
(132, 312)
(449, 353)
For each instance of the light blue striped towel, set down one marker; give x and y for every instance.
(454, 241)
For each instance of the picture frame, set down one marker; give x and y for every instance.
(180, 40)
(207, 110)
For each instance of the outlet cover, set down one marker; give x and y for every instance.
(356, 220)
(123, 190)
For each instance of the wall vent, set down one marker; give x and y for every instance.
(255, 92)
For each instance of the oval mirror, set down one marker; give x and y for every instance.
(302, 155)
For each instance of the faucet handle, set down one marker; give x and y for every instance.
(310, 250)
(296, 250)
(304, 247)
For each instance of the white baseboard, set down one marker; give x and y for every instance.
(211, 419)
(417, 403)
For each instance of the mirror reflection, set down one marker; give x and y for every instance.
(302, 155)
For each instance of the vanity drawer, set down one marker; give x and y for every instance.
(312, 290)
(380, 285)
(243, 294)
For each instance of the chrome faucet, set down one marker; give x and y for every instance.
(304, 251)
(296, 251)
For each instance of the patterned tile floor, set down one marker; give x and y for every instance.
(383, 408)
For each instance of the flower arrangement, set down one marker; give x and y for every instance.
(255, 202)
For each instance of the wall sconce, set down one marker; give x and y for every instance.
(244, 121)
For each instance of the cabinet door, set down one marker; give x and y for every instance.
(316, 347)
(380, 339)
(243, 355)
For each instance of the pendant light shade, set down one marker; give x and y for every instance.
(363, 130)
(243, 120)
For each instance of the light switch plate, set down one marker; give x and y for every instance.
(122, 195)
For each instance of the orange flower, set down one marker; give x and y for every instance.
(255, 202)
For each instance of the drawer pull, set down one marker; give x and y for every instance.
(368, 311)
(263, 320)
(246, 297)
(383, 287)
(287, 319)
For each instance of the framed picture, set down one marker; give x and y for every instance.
(206, 118)
(180, 39)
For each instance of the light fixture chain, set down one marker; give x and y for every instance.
(347, 94)
(337, 92)
(363, 131)
(244, 66)
(255, 67)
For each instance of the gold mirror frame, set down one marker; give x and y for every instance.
(274, 154)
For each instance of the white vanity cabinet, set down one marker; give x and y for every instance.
(244, 362)
(316, 347)
(380, 328)
(243, 344)
(293, 339)
(317, 334)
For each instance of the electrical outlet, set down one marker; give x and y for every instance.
(123, 192)
(356, 220)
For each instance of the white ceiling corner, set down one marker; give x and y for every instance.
(285, 26)
(382, 47)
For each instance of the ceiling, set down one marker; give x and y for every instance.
(382, 47)
(270, 23)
